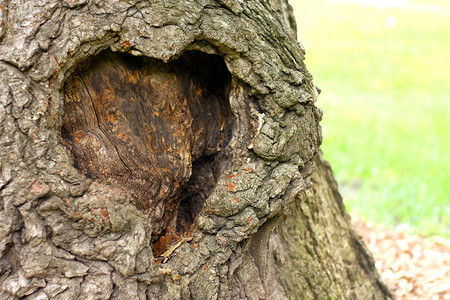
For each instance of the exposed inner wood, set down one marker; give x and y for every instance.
(143, 124)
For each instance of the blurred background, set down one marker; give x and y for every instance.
(384, 70)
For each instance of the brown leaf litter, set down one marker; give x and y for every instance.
(413, 267)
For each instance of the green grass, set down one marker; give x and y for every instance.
(386, 101)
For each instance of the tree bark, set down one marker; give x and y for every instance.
(166, 150)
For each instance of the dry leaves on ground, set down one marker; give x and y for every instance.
(412, 266)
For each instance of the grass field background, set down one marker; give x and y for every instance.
(384, 71)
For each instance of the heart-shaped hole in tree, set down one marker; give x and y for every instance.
(153, 128)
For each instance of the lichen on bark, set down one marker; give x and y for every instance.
(64, 235)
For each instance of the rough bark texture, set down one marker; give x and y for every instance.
(83, 155)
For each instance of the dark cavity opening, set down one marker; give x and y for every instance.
(156, 129)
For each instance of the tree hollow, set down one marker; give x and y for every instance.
(153, 128)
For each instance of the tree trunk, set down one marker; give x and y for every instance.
(166, 150)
